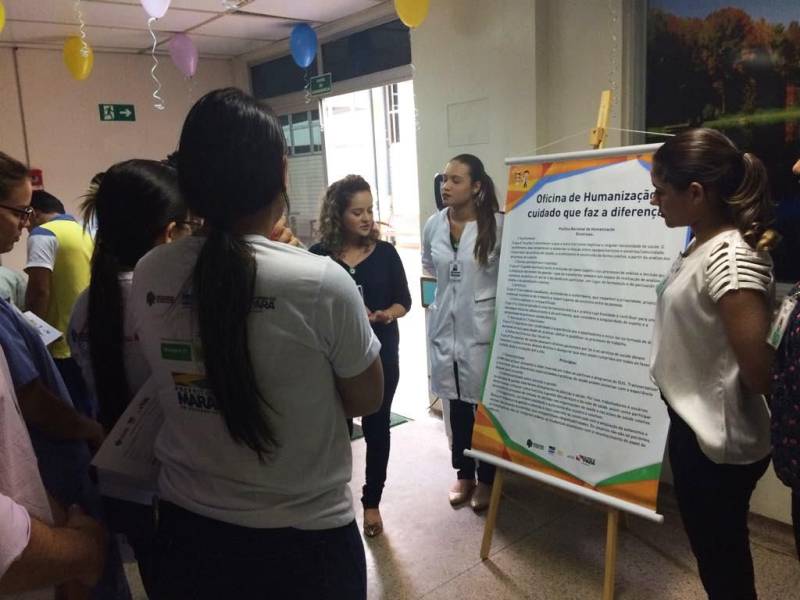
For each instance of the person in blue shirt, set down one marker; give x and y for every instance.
(61, 436)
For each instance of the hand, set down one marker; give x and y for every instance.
(96, 541)
(381, 316)
(282, 234)
(94, 434)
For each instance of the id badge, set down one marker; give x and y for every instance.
(455, 270)
(781, 321)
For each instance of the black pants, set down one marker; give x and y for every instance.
(197, 558)
(377, 436)
(714, 500)
(462, 420)
(137, 523)
(73, 379)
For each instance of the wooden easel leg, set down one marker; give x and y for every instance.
(611, 554)
(491, 516)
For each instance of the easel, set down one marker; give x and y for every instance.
(597, 140)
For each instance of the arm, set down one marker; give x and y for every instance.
(387, 315)
(37, 296)
(363, 394)
(349, 343)
(56, 555)
(746, 319)
(428, 268)
(401, 297)
(41, 408)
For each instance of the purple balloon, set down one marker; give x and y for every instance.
(184, 54)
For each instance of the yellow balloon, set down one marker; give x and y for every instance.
(2, 17)
(79, 60)
(412, 12)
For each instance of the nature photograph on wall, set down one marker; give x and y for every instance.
(734, 65)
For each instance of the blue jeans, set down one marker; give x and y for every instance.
(200, 558)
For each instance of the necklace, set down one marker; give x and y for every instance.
(352, 270)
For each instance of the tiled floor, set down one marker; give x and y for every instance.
(547, 545)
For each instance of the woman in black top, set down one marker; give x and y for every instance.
(349, 236)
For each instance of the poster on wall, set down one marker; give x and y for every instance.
(567, 391)
(734, 66)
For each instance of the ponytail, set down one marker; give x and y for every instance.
(231, 165)
(132, 204)
(223, 286)
(106, 331)
(486, 205)
(751, 206)
(737, 181)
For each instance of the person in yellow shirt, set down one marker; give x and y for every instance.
(59, 269)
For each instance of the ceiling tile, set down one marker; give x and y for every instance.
(225, 46)
(321, 11)
(55, 34)
(254, 27)
(205, 5)
(103, 14)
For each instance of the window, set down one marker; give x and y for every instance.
(376, 49)
(393, 113)
(302, 132)
(279, 77)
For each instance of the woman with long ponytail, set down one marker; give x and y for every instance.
(710, 358)
(461, 248)
(259, 353)
(136, 205)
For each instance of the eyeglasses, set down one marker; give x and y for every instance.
(24, 213)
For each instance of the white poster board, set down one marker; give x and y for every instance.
(568, 395)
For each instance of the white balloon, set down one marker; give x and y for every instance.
(155, 8)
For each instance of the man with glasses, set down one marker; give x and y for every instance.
(59, 269)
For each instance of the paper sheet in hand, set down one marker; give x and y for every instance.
(126, 462)
(48, 333)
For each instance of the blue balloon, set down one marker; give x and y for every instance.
(303, 43)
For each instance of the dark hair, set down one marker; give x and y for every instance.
(46, 202)
(12, 174)
(231, 162)
(334, 203)
(737, 181)
(172, 159)
(135, 201)
(486, 206)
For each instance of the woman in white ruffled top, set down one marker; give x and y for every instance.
(710, 358)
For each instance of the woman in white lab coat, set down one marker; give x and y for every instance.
(461, 248)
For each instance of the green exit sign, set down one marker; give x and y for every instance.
(321, 84)
(117, 112)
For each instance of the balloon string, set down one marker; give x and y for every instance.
(159, 102)
(82, 23)
(307, 86)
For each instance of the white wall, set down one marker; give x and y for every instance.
(539, 67)
(66, 138)
(474, 64)
(574, 47)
